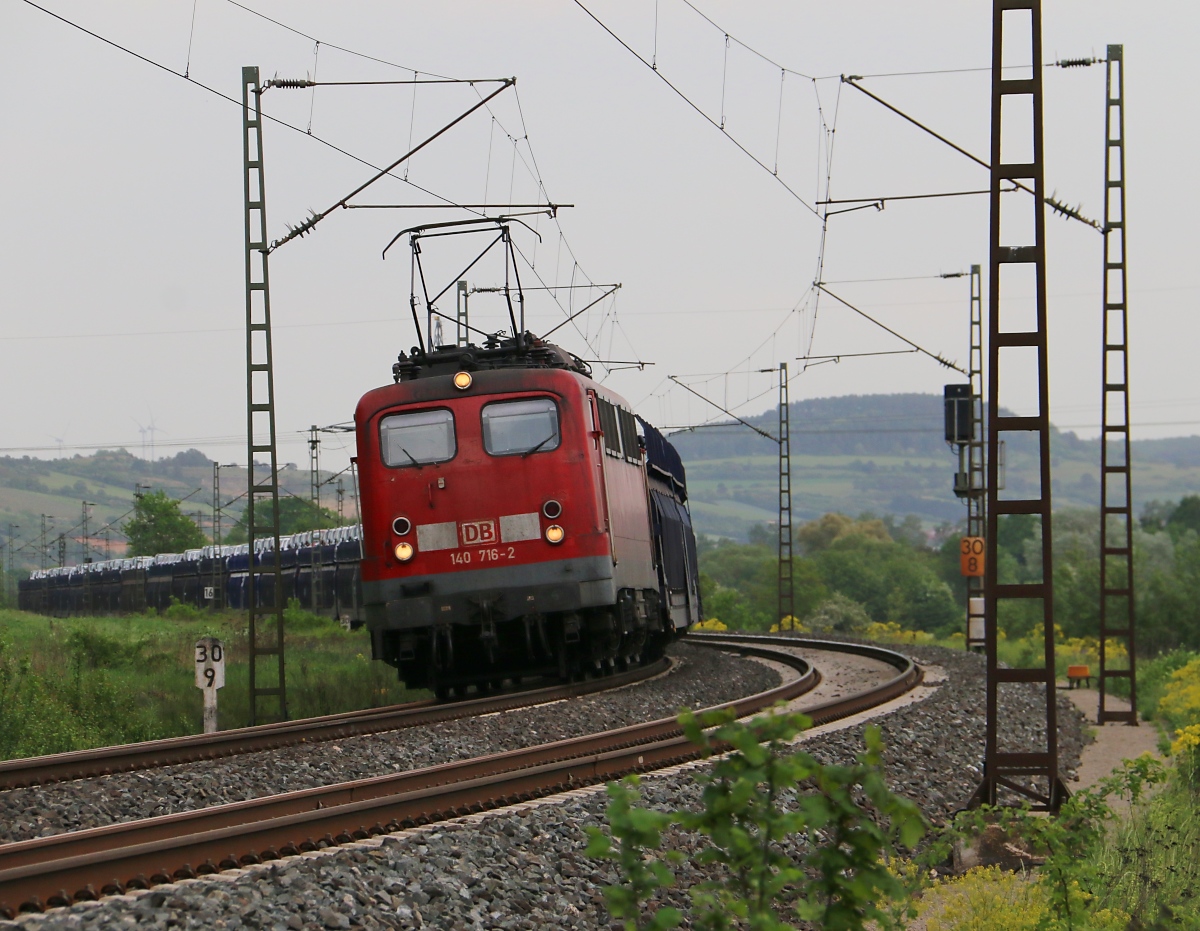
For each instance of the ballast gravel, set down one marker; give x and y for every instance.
(524, 868)
(702, 678)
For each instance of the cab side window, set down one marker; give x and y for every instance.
(609, 426)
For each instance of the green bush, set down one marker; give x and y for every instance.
(93, 649)
(83, 707)
(790, 837)
(178, 611)
(1149, 864)
(298, 621)
(1073, 880)
(1153, 676)
(839, 614)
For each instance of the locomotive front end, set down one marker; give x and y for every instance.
(486, 531)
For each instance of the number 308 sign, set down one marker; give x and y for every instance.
(210, 663)
(971, 553)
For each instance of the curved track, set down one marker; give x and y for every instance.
(57, 870)
(102, 761)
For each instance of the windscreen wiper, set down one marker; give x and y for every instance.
(410, 458)
(530, 452)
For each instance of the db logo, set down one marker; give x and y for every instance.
(477, 532)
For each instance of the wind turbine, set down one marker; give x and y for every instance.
(60, 440)
(142, 431)
(153, 430)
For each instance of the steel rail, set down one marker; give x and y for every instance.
(149, 754)
(38, 873)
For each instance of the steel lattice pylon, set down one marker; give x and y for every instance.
(787, 593)
(1116, 487)
(266, 653)
(1028, 772)
(218, 599)
(976, 460)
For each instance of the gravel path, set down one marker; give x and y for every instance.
(1113, 742)
(523, 868)
(703, 678)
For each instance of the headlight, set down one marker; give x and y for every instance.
(555, 534)
(462, 380)
(401, 526)
(403, 551)
(552, 509)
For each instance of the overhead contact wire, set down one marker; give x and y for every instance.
(237, 103)
(937, 358)
(682, 96)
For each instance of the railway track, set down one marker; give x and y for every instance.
(102, 761)
(60, 869)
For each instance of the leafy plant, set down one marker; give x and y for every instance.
(180, 611)
(1149, 866)
(1070, 840)
(985, 898)
(1180, 703)
(788, 836)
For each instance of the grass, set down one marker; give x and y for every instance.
(92, 682)
(1149, 865)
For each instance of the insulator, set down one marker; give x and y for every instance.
(285, 83)
(1075, 62)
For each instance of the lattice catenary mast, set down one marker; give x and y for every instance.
(786, 586)
(1116, 488)
(976, 463)
(262, 492)
(1027, 772)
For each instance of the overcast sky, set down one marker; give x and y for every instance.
(121, 223)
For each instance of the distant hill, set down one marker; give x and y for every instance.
(885, 454)
(30, 488)
(879, 453)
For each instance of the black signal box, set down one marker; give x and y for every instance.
(957, 400)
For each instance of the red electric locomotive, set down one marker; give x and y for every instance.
(517, 520)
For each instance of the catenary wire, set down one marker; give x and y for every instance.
(937, 358)
(699, 110)
(223, 96)
(284, 123)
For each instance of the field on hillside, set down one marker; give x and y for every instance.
(884, 454)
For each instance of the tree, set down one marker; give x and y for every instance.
(839, 614)
(892, 581)
(158, 526)
(295, 515)
(1185, 517)
(818, 535)
(1155, 515)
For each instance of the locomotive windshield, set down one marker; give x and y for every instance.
(417, 439)
(526, 426)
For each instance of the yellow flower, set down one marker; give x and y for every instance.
(1180, 703)
(1186, 740)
